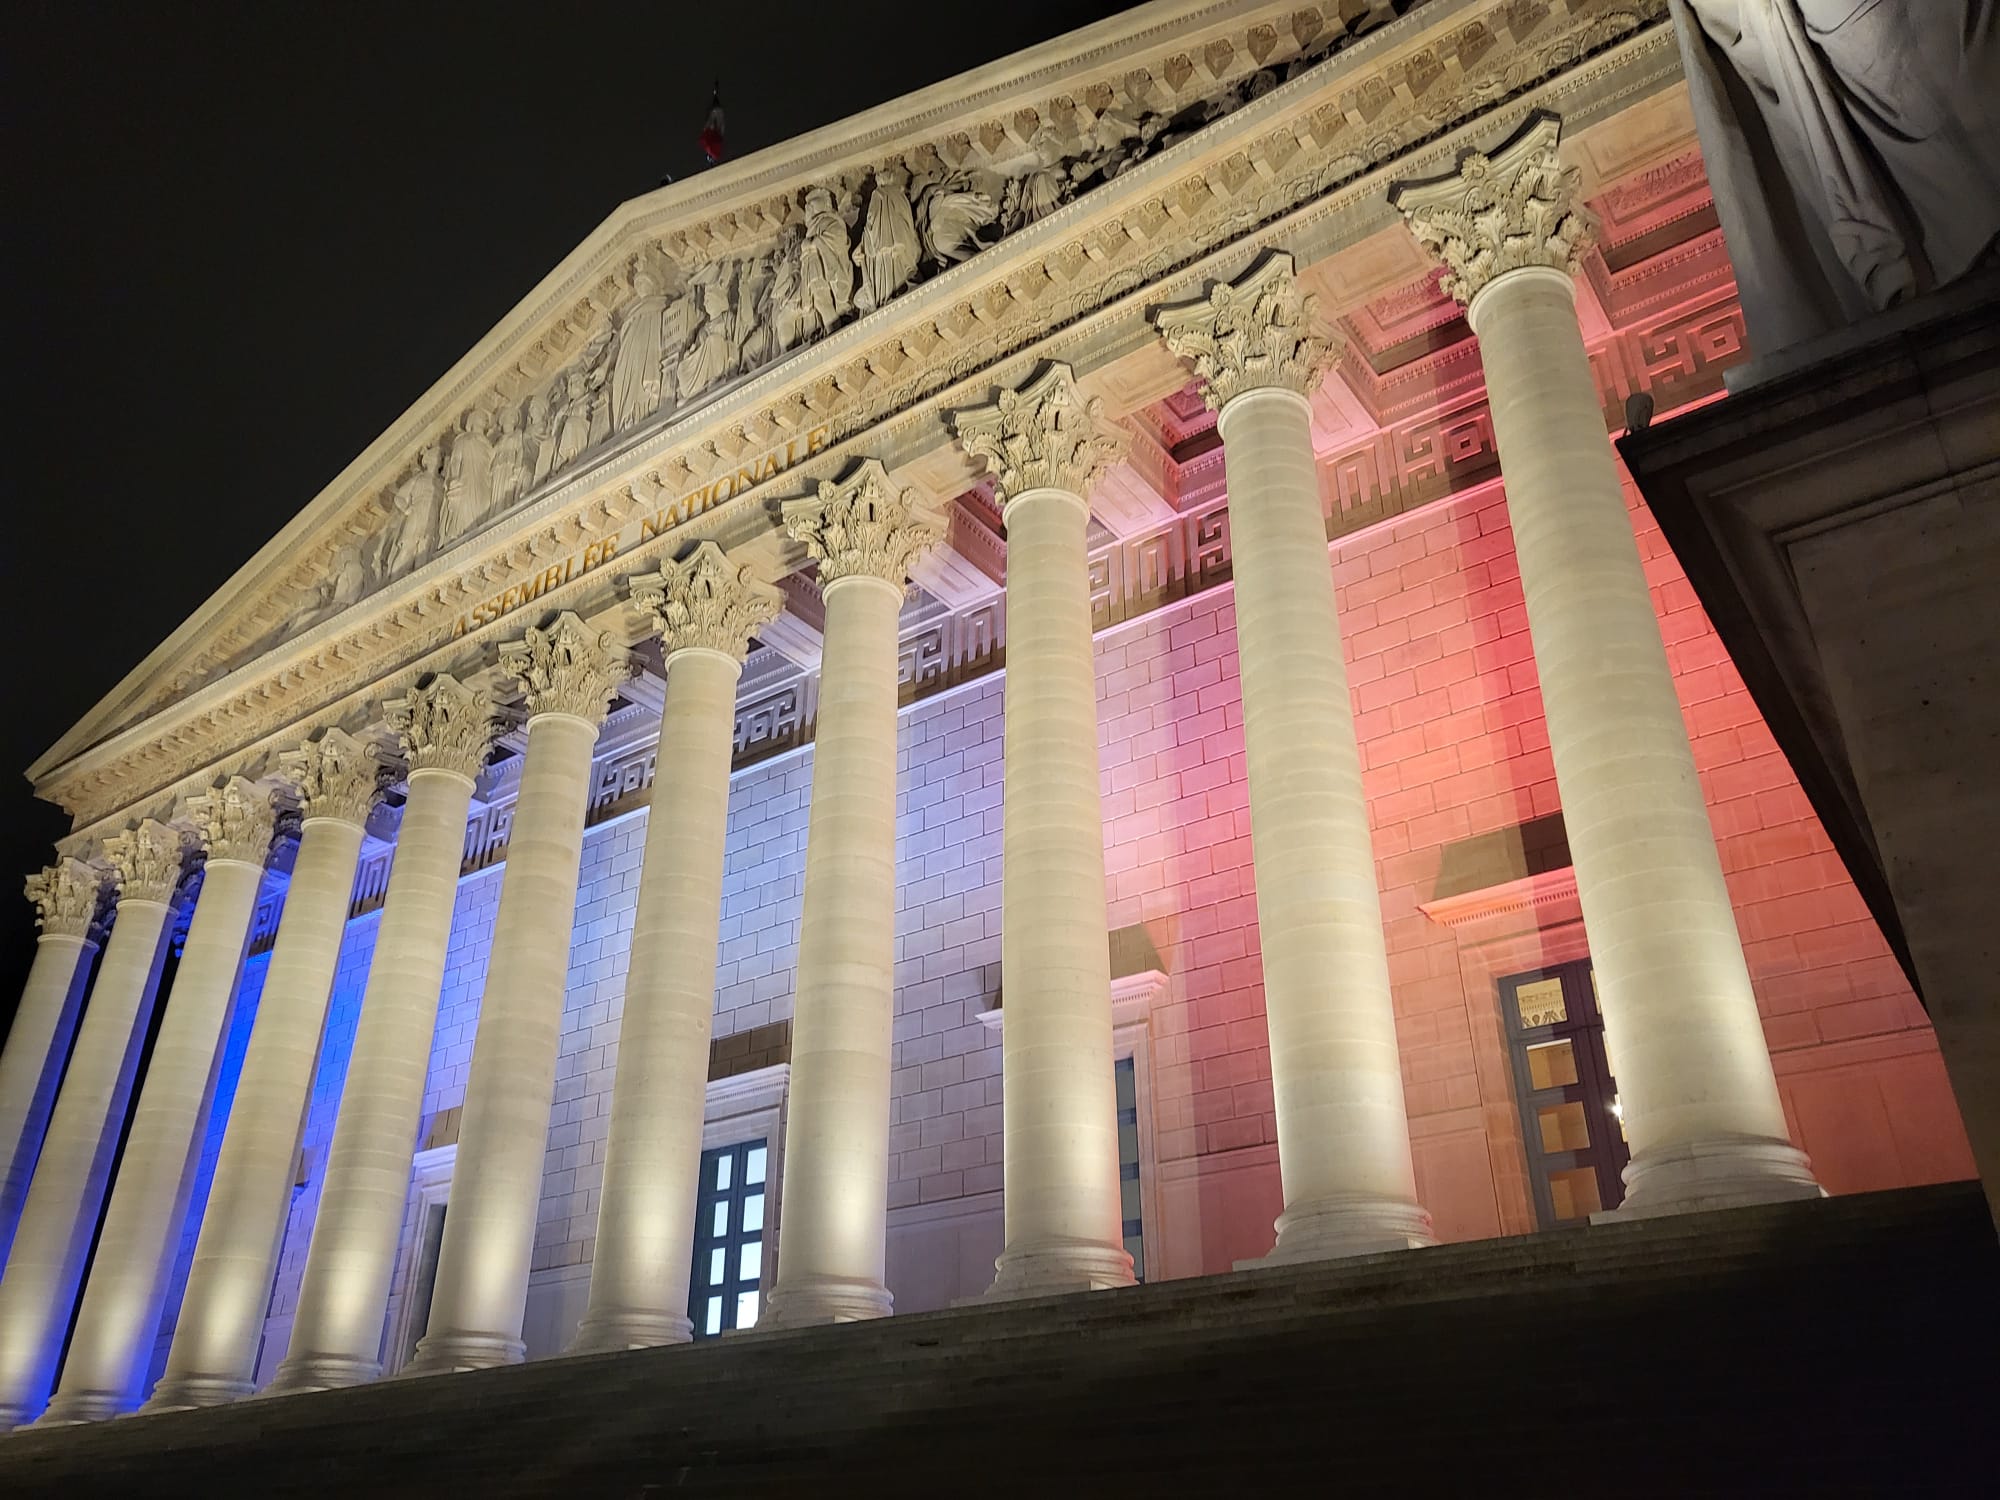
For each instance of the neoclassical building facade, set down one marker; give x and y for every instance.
(1055, 683)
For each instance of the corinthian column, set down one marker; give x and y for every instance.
(1343, 1136)
(1045, 447)
(66, 896)
(112, 1342)
(865, 534)
(214, 1352)
(446, 730)
(706, 610)
(1699, 1101)
(570, 672)
(53, 1238)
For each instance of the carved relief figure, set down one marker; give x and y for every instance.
(468, 477)
(753, 300)
(1043, 188)
(714, 354)
(572, 421)
(788, 305)
(417, 504)
(953, 213)
(887, 254)
(636, 391)
(826, 277)
(597, 361)
(511, 464)
(538, 445)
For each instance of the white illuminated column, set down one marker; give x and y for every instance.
(571, 672)
(1045, 446)
(112, 1343)
(38, 1290)
(66, 896)
(1343, 1135)
(865, 534)
(706, 610)
(221, 1323)
(1699, 1101)
(446, 730)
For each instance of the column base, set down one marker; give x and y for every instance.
(75, 1409)
(1717, 1172)
(816, 1301)
(301, 1373)
(1055, 1265)
(193, 1392)
(449, 1353)
(1345, 1224)
(610, 1332)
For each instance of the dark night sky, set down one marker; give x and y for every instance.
(245, 238)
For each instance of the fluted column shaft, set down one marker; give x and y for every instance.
(37, 1045)
(59, 1218)
(336, 1335)
(221, 1324)
(652, 1158)
(1695, 1083)
(836, 1173)
(116, 1326)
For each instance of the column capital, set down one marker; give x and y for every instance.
(705, 602)
(569, 668)
(1257, 331)
(863, 526)
(235, 820)
(1501, 211)
(1042, 435)
(147, 860)
(444, 726)
(66, 895)
(337, 776)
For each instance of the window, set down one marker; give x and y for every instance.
(1126, 1075)
(724, 1290)
(1568, 1098)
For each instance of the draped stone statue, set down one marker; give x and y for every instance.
(713, 357)
(418, 501)
(636, 391)
(1854, 149)
(572, 421)
(538, 447)
(887, 254)
(759, 340)
(788, 302)
(511, 463)
(826, 277)
(468, 477)
(952, 213)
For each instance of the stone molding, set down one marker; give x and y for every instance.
(337, 776)
(236, 821)
(1259, 331)
(1514, 207)
(704, 602)
(568, 668)
(1042, 435)
(864, 527)
(444, 726)
(67, 896)
(147, 860)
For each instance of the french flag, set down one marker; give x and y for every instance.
(710, 138)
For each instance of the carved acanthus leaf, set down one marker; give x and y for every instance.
(1257, 331)
(1045, 435)
(147, 860)
(337, 776)
(568, 668)
(706, 602)
(66, 895)
(1500, 212)
(863, 526)
(444, 726)
(235, 820)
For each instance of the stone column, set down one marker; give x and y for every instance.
(1700, 1104)
(571, 672)
(446, 730)
(1343, 1135)
(66, 896)
(706, 610)
(112, 1343)
(1045, 447)
(865, 534)
(214, 1353)
(59, 1218)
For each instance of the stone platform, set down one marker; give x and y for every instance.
(1843, 1346)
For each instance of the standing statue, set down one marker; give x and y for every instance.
(887, 254)
(468, 477)
(759, 339)
(713, 356)
(538, 443)
(788, 302)
(511, 462)
(635, 368)
(417, 503)
(826, 274)
(572, 420)
(1853, 147)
